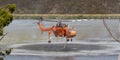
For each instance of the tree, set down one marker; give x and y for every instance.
(6, 16)
(11, 7)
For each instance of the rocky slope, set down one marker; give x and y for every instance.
(65, 6)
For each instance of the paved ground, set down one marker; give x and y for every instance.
(91, 43)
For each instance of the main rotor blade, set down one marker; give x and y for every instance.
(77, 20)
(69, 20)
(51, 20)
(63, 20)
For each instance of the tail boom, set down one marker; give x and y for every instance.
(42, 28)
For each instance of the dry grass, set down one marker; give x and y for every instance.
(69, 16)
(66, 14)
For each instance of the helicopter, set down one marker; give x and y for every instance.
(59, 30)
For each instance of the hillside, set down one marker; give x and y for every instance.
(65, 6)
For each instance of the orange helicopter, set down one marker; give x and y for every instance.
(59, 30)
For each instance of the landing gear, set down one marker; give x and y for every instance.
(65, 45)
(71, 40)
(68, 40)
(49, 41)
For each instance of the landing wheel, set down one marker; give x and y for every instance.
(71, 40)
(49, 41)
(67, 40)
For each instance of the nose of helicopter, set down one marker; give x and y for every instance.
(73, 33)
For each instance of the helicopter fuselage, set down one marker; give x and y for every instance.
(63, 32)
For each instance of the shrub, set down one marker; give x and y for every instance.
(6, 16)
